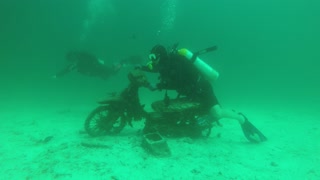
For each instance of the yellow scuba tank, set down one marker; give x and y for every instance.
(205, 69)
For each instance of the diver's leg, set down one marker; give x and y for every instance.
(249, 130)
(218, 113)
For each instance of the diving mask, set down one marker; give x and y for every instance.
(154, 60)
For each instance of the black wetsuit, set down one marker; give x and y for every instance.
(178, 73)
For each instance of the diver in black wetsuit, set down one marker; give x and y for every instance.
(87, 64)
(191, 78)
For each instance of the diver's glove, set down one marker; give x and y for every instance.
(251, 132)
(161, 85)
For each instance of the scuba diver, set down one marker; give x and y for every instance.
(87, 64)
(184, 72)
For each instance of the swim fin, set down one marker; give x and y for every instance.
(251, 132)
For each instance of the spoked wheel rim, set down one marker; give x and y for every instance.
(104, 121)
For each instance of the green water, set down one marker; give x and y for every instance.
(265, 47)
(268, 57)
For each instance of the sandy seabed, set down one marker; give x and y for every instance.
(47, 143)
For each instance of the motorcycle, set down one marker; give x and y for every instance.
(171, 117)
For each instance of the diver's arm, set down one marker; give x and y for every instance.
(146, 69)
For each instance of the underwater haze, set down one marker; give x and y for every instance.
(265, 48)
(268, 56)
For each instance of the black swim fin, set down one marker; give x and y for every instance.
(251, 132)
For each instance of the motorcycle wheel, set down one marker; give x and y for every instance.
(104, 121)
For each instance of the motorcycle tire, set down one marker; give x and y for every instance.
(104, 121)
